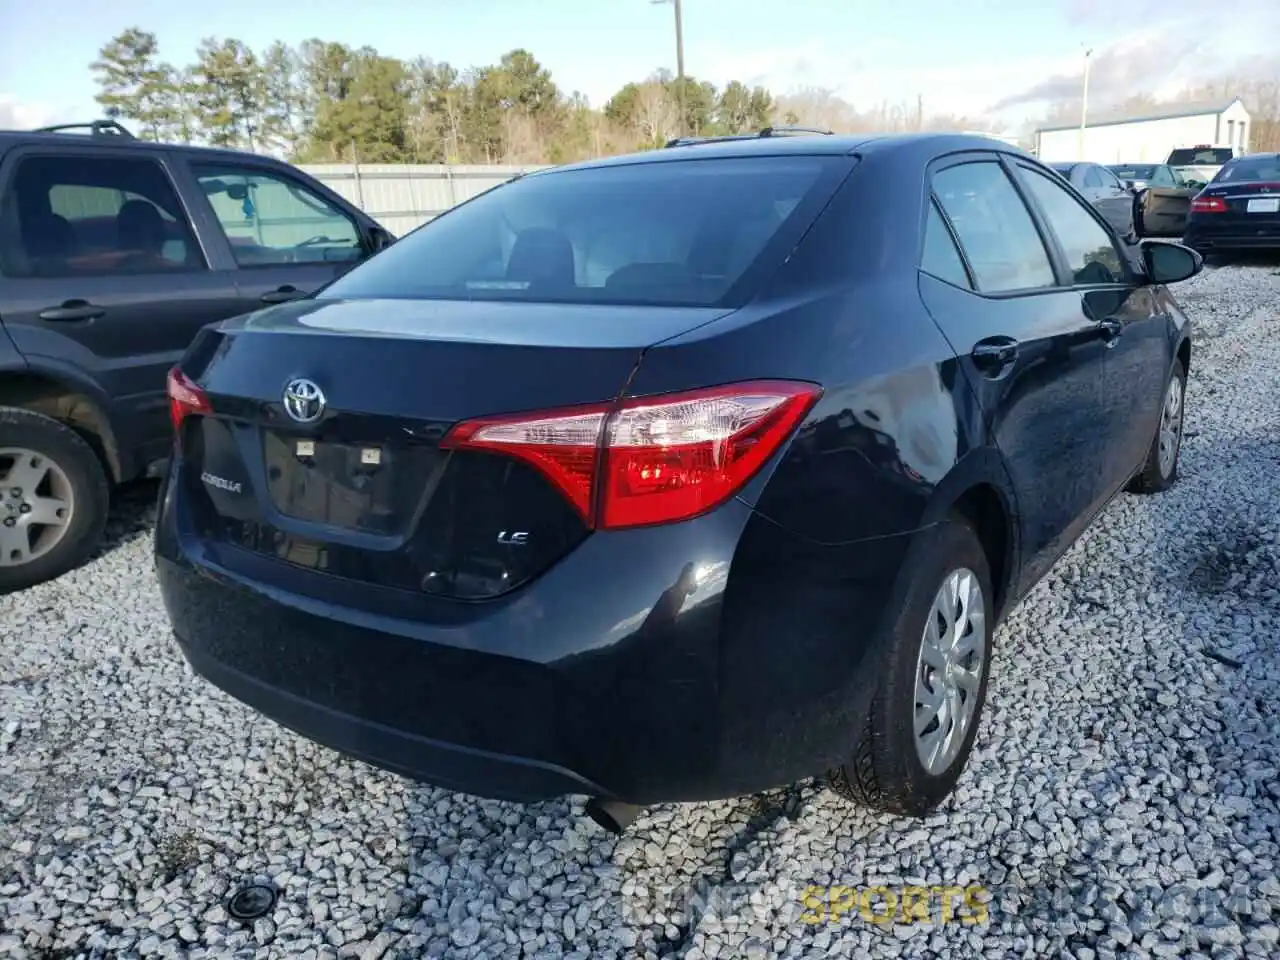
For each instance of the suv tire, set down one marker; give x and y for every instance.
(64, 467)
(887, 771)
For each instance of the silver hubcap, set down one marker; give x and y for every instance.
(1171, 427)
(36, 504)
(949, 670)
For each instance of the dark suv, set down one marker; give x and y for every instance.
(114, 252)
(672, 476)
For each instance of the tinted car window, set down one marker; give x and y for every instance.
(941, 258)
(1091, 253)
(272, 219)
(1199, 156)
(1139, 171)
(997, 233)
(85, 216)
(1252, 168)
(673, 232)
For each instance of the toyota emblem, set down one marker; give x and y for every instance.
(304, 400)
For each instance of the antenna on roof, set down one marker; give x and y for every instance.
(788, 131)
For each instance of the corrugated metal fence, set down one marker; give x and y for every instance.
(404, 196)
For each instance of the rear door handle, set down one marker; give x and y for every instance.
(994, 356)
(73, 310)
(282, 295)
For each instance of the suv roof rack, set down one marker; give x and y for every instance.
(767, 132)
(96, 128)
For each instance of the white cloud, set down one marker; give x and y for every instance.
(15, 115)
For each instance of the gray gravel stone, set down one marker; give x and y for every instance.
(1122, 798)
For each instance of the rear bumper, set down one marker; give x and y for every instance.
(697, 661)
(1232, 236)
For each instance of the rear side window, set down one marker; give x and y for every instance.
(664, 233)
(1250, 169)
(1091, 254)
(941, 257)
(995, 229)
(1199, 157)
(87, 216)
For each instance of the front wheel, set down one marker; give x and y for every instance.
(921, 726)
(1160, 469)
(53, 499)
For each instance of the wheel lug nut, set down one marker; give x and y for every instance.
(15, 491)
(9, 521)
(25, 508)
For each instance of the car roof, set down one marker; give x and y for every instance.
(14, 138)
(799, 145)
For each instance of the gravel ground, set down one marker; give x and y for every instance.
(1123, 798)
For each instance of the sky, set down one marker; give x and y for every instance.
(1002, 60)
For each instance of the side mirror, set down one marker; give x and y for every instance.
(1169, 262)
(379, 239)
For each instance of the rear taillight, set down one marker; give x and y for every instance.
(649, 460)
(1208, 205)
(185, 398)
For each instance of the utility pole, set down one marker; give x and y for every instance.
(679, 60)
(1084, 100)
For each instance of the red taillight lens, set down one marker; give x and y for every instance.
(1208, 205)
(185, 398)
(653, 459)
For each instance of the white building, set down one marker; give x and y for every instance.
(1147, 139)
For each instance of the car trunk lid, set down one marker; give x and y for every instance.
(346, 475)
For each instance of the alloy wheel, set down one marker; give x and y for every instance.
(1170, 427)
(36, 505)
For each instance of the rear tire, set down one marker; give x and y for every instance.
(53, 499)
(927, 666)
(1160, 470)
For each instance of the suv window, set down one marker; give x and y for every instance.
(271, 219)
(84, 216)
(995, 229)
(1093, 177)
(941, 257)
(1109, 179)
(671, 232)
(1091, 253)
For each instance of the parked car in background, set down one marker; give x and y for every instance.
(1103, 189)
(1200, 163)
(1240, 208)
(1163, 197)
(672, 476)
(114, 252)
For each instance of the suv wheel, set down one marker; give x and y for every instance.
(1160, 470)
(923, 720)
(53, 499)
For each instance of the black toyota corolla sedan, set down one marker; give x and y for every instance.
(672, 476)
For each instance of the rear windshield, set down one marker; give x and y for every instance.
(1134, 171)
(666, 233)
(1250, 169)
(1199, 157)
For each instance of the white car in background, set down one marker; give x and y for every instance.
(1200, 163)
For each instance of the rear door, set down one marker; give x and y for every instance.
(1034, 357)
(284, 234)
(105, 276)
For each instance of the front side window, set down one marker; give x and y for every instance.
(1093, 177)
(667, 232)
(271, 219)
(1091, 254)
(995, 229)
(90, 216)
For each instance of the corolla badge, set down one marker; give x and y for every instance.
(304, 400)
